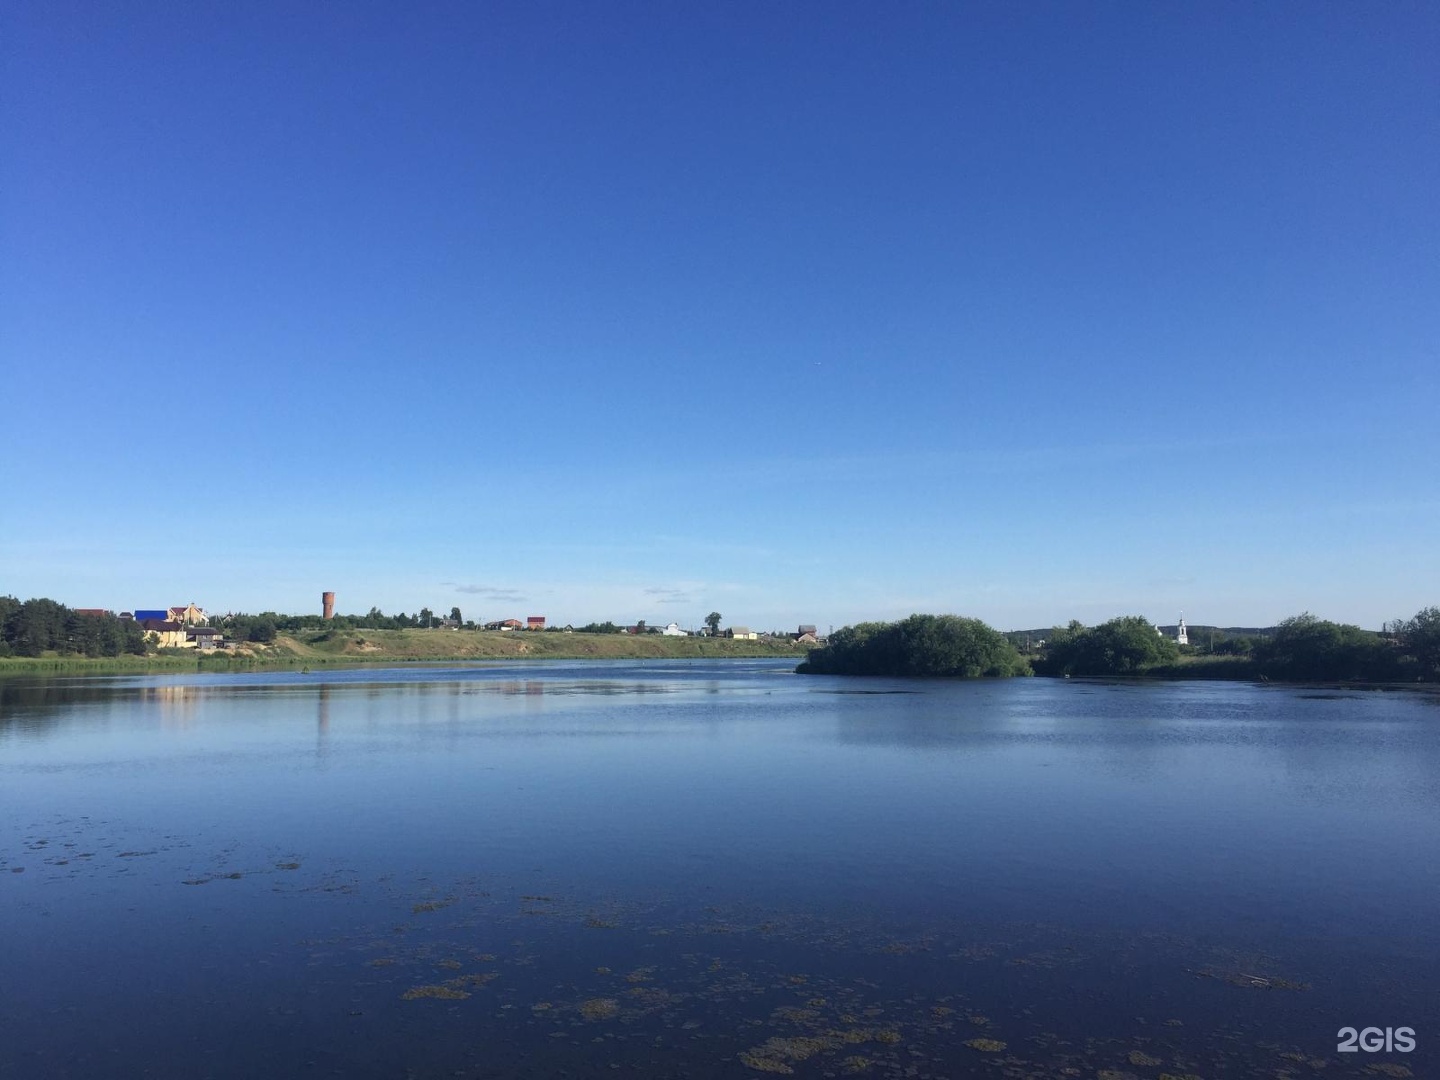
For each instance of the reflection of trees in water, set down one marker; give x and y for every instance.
(1325, 747)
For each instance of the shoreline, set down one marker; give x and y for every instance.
(368, 648)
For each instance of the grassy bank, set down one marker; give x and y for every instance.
(312, 648)
(406, 645)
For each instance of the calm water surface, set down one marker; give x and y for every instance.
(698, 869)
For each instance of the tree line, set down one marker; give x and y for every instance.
(35, 627)
(931, 645)
(1303, 648)
(264, 627)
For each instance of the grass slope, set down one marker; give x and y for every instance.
(352, 645)
(314, 647)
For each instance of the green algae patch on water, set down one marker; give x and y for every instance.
(774, 1054)
(986, 1046)
(451, 989)
(440, 991)
(600, 1009)
(777, 1053)
(1139, 1057)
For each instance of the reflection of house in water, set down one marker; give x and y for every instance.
(174, 705)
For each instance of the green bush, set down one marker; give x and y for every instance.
(1128, 645)
(931, 645)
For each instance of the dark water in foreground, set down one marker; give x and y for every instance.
(712, 870)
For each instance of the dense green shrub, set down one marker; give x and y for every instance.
(1123, 646)
(945, 645)
(1305, 648)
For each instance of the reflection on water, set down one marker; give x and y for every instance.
(711, 869)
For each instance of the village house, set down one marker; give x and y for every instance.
(203, 637)
(177, 627)
(164, 633)
(742, 633)
(673, 630)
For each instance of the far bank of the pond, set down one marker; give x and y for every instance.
(364, 647)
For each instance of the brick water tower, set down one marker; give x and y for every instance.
(327, 604)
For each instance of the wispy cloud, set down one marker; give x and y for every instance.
(671, 595)
(489, 592)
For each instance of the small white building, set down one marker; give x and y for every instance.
(1181, 636)
(673, 630)
(742, 633)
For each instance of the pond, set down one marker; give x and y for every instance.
(712, 869)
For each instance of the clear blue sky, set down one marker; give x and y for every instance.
(801, 312)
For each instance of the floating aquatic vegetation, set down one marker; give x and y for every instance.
(774, 1054)
(451, 989)
(431, 905)
(1253, 982)
(442, 991)
(986, 1046)
(600, 1009)
(484, 978)
(764, 1063)
(1139, 1057)
(795, 1015)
